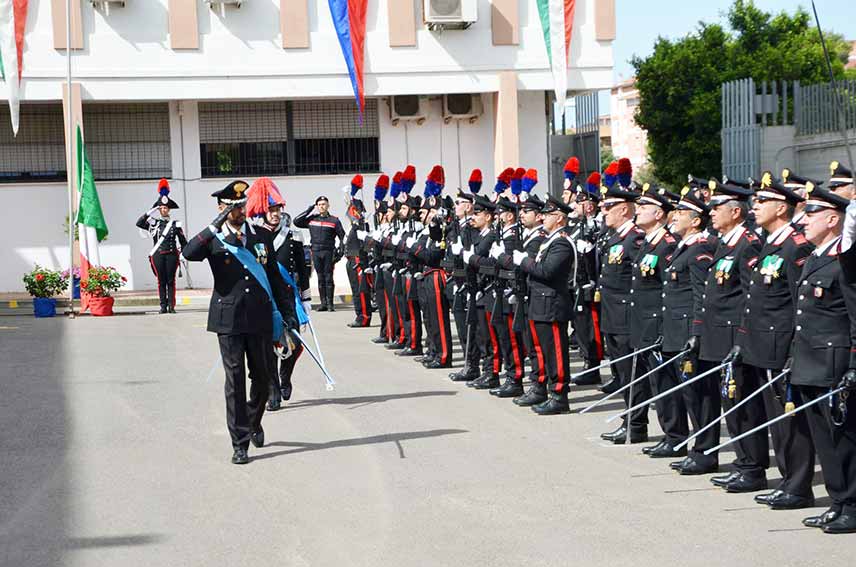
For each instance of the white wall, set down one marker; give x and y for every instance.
(808, 156)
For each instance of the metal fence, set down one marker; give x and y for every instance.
(820, 107)
(741, 132)
(580, 138)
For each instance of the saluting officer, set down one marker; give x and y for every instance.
(168, 239)
(249, 304)
(357, 255)
(324, 229)
(824, 356)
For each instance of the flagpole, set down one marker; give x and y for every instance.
(69, 161)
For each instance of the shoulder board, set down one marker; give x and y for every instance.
(706, 257)
(752, 261)
(669, 238)
(751, 236)
(799, 238)
(801, 261)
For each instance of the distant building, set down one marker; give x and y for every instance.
(851, 60)
(628, 139)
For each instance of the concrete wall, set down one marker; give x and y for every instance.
(808, 156)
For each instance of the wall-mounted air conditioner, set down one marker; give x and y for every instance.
(462, 107)
(408, 108)
(449, 14)
(106, 4)
(223, 3)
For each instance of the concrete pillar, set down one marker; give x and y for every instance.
(506, 128)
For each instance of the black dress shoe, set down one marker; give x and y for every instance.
(420, 358)
(725, 479)
(553, 406)
(767, 496)
(171, 310)
(647, 450)
(613, 434)
(323, 307)
(635, 437)
(462, 376)
(258, 438)
(285, 392)
(273, 405)
(395, 346)
(481, 379)
(435, 364)
(380, 340)
(491, 382)
(511, 388)
(162, 310)
(693, 468)
(407, 351)
(788, 501)
(357, 325)
(843, 524)
(746, 484)
(667, 452)
(239, 457)
(589, 379)
(532, 397)
(610, 386)
(819, 521)
(678, 465)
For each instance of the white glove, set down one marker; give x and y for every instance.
(848, 235)
(396, 239)
(457, 248)
(368, 271)
(307, 306)
(517, 256)
(386, 265)
(441, 212)
(153, 212)
(376, 234)
(584, 246)
(496, 251)
(467, 255)
(361, 235)
(410, 242)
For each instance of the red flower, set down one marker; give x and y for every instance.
(84, 284)
(124, 279)
(104, 277)
(40, 277)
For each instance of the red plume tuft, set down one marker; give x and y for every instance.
(573, 165)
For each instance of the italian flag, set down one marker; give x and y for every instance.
(13, 21)
(91, 226)
(557, 21)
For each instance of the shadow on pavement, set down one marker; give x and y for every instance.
(360, 401)
(113, 541)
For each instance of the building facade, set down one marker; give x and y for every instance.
(628, 138)
(203, 92)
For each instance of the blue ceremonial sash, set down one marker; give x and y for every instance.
(255, 268)
(302, 315)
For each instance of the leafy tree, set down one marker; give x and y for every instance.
(680, 82)
(606, 157)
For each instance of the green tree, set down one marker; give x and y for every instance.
(606, 157)
(680, 82)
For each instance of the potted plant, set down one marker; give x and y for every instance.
(43, 284)
(98, 285)
(75, 274)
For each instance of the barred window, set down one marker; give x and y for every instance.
(38, 152)
(128, 141)
(287, 138)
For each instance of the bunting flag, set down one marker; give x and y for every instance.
(349, 19)
(91, 226)
(13, 21)
(557, 21)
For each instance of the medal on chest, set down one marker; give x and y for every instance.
(616, 254)
(723, 270)
(770, 267)
(261, 253)
(648, 264)
(818, 292)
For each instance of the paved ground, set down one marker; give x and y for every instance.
(115, 453)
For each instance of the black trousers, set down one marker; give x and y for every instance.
(360, 290)
(322, 260)
(491, 357)
(466, 325)
(551, 340)
(281, 377)
(835, 444)
(702, 399)
(245, 416)
(421, 285)
(586, 324)
(437, 321)
(537, 372)
(671, 410)
(379, 291)
(618, 346)
(164, 267)
(792, 442)
(753, 452)
(511, 346)
(395, 332)
(412, 314)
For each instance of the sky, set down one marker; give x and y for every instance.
(640, 22)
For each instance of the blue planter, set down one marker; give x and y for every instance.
(75, 290)
(44, 306)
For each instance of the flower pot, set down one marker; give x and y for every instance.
(101, 306)
(75, 290)
(44, 306)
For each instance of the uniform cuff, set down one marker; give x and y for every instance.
(853, 358)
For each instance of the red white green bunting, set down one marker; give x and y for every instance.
(557, 21)
(13, 21)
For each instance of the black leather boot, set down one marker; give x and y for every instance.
(537, 394)
(557, 404)
(511, 388)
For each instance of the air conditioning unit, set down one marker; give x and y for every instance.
(409, 108)
(450, 14)
(464, 106)
(106, 4)
(223, 3)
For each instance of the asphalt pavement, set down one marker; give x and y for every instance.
(115, 453)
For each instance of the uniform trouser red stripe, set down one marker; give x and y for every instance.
(598, 338)
(164, 267)
(538, 371)
(442, 314)
(493, 345)
(553, 338)
(415, 320)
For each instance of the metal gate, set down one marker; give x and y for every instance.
(741, 136)
(580, 138)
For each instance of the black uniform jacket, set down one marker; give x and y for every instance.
(156, 227)
(584, 235)
(684, 288)
(767, 326)
(239, 304)
(323, 230)
(725, 292)
(549, 298)
(482, 243)
(825, 332)
(290, 254)
(646, 301)
(615, 279)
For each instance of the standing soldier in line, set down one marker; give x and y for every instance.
(358, 261)
(383, 239)
(371, 242)
(249, 305)
(614, 285)
(841, 181)
(682, 303)
(549, 302)
(408, 299)
(324, 229)
(714, 335)
(824, 354)
(797, 183)
(646, 310)
(168, 239)
(763, 342)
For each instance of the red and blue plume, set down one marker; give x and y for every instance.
(163, 187)
(435, 182)
(475, 181)
(356, 184)
(517, 181)
(395, 188)
(530, 180)
(381, 187)
(610, 176)
(593, 183)
(408, 179)
(572, 168)
(261, 196)
(625, 172)
(503, 182)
